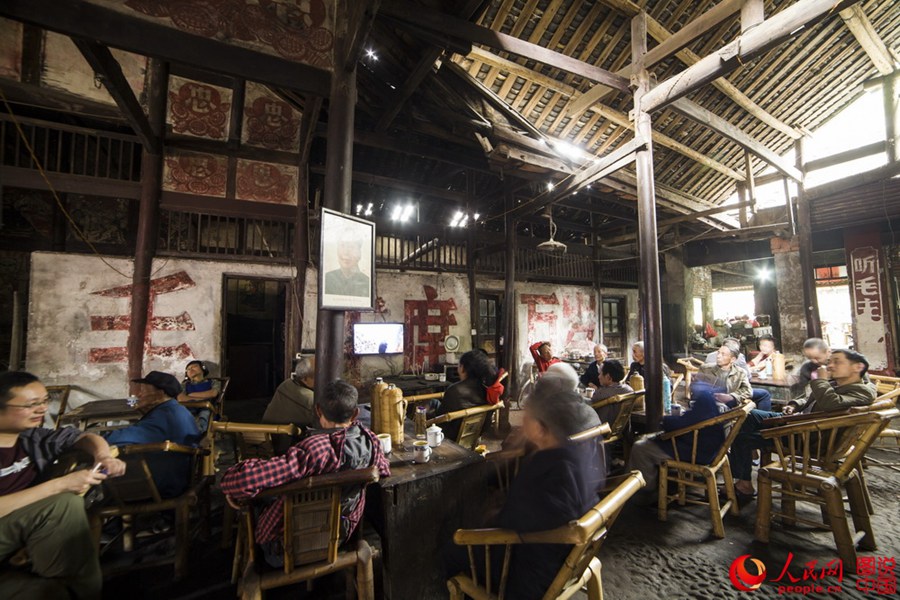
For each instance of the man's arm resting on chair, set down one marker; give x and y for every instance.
(97, 447)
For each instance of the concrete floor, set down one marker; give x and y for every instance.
(643, 558)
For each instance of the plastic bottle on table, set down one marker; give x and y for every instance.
(667, 395)
(420, 423)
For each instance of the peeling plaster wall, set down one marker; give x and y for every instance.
(65, 342)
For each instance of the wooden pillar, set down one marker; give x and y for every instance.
(597, 273)
(804, 233)
(470, 256)
(509, 309)
(338, 183)
(148, 219)
(890, 87)
(651, 311)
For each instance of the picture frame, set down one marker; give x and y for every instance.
(346, 262)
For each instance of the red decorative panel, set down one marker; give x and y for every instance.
(191, 173)
(266, 182)
(298, 30)
(427, 322)
(199, 109)
(269, 121)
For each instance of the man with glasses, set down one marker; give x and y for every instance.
(45, 516)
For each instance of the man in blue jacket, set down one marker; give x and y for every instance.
(164, 420)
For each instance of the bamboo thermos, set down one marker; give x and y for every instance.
(778, 371)
(379, 387)
(392, 408)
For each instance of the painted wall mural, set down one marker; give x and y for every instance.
(298, 30)
(183, 322)
(427, 323)
(266, 182)
(199, 109)
(269, 121)
(195, 173)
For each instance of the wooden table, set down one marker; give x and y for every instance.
(417, 509)
(780, 389)
(99, 411)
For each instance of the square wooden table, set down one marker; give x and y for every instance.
(99, 411)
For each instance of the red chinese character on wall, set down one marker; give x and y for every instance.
(183, 322)
(428, 322)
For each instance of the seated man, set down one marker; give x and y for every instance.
(591, 376)
(164, 419)
(839, 385)
(479, 384)
(611, 375)
(542, 352)
(760, 397)
(817, 354)
(729, 381)
(293, 403)
(342, 443)
(761, 361)
(198, 387)
(648, 453)
(555, 485)
(45, 516)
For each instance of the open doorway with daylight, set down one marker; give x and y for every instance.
(254, 335)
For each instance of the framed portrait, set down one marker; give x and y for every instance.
(347, 262)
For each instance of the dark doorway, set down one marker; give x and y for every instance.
(254, 330)
(614, 329)
(488, 325)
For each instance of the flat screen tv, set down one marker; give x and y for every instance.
(377, 338)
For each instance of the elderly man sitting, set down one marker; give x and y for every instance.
(729, 381)
(839, 385)
(164, 420)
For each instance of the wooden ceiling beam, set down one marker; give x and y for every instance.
(630, 237)
(614, 116)
(400, 185)
(110, 27)
(768, 34)
(656, 30)
(712, 121)
(417, 17)
(105, 64)
(862, 29)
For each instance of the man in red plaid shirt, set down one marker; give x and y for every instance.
(341, 443)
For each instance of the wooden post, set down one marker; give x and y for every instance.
(890, 89)
(804, 230)
(470, 256)
(742, 200)
(651, 311)
(148, 219)
(338, 183)
(789, 206)
(509, 309)
(597, 272)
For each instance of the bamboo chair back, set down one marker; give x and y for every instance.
(884, 384)
(472, 424)
(312, 530)
(586, 535)
(691, 366)
(831, 446)
(624, 404)
(137, 484)
(59, 395)
(251, 440)
(730, 421)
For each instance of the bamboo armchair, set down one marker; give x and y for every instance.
(59, 393)
(472, 422)
(621, 407)
(312, 537)
(217, 404)
(889, 439)
(685, 471)
(691, 365)
(580, 568)
(136, 493)
(817, 462)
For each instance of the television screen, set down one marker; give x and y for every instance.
(377, 338)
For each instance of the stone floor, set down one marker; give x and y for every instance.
(643, 558)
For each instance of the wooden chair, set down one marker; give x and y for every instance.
(251, 440)
(60, 395)
(817, 463)
(691, 366)
(312, 532)
(686, 471)
(889, 439)
(581, 567)
(135, 493)
(622, 407)
(472, 422)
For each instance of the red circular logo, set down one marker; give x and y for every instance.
(742, 579)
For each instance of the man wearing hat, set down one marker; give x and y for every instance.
(164, 419)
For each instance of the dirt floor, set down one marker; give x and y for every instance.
(643, 558)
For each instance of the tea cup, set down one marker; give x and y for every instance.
(421, 452)
(385, 439)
